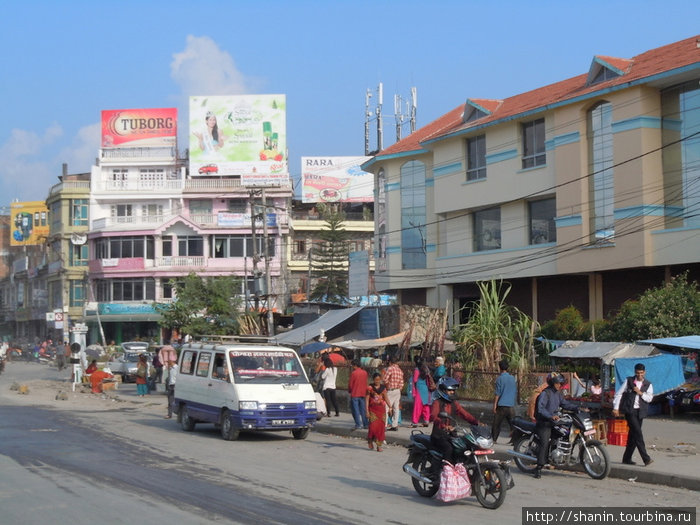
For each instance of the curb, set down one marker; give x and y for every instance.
(633, 475)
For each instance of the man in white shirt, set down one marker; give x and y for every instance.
(170, 386)
(632, 400)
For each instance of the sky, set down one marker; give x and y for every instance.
(63, 62)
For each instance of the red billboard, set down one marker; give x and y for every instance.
(139, 127)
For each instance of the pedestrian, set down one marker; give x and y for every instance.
(329, 376)
(420, 393)
(92, 367)
(377, 401)
(393, 379)
(504, 402)
(61, 358)
(440, 370)
(142, 376)
(548, 403)
(357, 388)
(170, 386)
(158, 365)
(111, 349)
(632, 400)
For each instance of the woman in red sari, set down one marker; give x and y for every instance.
(376, 401)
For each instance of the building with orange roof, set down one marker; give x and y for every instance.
(584, 192)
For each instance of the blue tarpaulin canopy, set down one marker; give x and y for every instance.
(316, 346)
(689, 341)
(665, 371)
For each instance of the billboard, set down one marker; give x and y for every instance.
(139, 127)
(335, 179)
(243, 135)
(29, 223)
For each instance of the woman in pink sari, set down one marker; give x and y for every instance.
(376, 401)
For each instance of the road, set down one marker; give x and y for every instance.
(121, 462)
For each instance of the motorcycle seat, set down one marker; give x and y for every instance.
(524, 424)
(422, 439)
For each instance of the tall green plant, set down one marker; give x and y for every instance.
(494, 330)
(329, 258)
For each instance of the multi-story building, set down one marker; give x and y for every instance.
(583, 192)
(68, 205)
(151, 223)
(305, 227)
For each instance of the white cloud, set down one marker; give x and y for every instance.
(205, 69)
(24, 172)
(83, 150)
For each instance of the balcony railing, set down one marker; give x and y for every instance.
(138, 153)
(141, 185)
(180, 261)
(70, 185)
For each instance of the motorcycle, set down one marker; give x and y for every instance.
(489, 479)
(572, 443)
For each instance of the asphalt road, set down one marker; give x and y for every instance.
(118, 461)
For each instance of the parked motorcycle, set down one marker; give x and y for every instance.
(572, 443)
(489, 479)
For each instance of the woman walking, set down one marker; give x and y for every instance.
(376, 402)
(328, 376)
(421, 393)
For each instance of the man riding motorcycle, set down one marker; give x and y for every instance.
(548, 403)
(442, 426)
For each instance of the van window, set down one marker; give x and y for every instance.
(220, 370)
(262, 366)
(203, 364)
(188, 359)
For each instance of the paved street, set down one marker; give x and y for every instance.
(117, 458)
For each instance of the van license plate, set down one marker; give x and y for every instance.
(282, 421)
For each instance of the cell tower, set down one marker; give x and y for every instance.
(399, 116)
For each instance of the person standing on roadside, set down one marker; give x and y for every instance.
(329, 376)
(170, 386)
(632, 400)
(357, 387)
(61, 357)
(504, 402)
(393, 379)
(142, 376)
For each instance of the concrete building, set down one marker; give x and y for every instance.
(68, 205)
(583, 192)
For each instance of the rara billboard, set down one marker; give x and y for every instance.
(336, 179)
(29, 223)
(139, 127)
(243, 135)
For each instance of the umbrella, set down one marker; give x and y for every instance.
(316, 346)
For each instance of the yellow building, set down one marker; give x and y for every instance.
(584, 192)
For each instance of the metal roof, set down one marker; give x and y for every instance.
(303, 334)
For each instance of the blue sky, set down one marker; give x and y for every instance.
(62, 62)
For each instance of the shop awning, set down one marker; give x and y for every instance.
(688, 341)
(365, 344)
(584, 350)
(630, 351)
(299, 336)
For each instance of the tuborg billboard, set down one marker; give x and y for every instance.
(139, 127)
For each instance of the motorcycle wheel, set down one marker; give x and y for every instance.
(526, 445)
(490, 489)
(597, 465)
(430, 468)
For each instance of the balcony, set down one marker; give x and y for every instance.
(70, 185)
(141, 185)
(167, 152)
(180, 262)
(133, 222)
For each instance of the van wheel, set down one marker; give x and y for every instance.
(228, 432)
(186, 421)
(300, 433)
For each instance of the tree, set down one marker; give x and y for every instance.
(203, 306)
(329, 258)
(494, 330)
(671, 310)
(568, 324)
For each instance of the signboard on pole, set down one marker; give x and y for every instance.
(358, 278)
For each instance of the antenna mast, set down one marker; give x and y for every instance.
(380, 131)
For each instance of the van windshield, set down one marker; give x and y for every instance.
(264, 366)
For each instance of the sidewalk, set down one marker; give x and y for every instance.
(671, 444)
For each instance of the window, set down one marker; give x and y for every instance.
(542, 227)
(474, 114)
(124, 247)
(152, 212)
(604, 74)
(119, 177)
(299, 246)
(487, 229)
(137, 289)
(77, 293)
(151, 177)
(237, 205)
(168, 288)
(78, 255)
(476, 158)
(203, 365)
(190, 245)
(188, 359)
(55, 212)
(167, 246)
(357, 246)
(600, 165)
(79, 212)
(121, 212)
(413, 215)
(681, 153)
(533, 144)
(227, 246)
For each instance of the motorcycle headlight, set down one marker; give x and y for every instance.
(587, 424)
(484, 442)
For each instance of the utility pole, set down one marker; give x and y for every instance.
(268, 282)
(253, 218)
